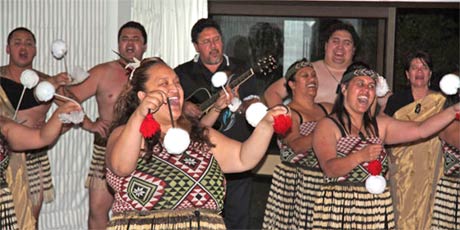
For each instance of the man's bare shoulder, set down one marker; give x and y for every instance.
(106, 66)
(107, 69)
(42, 75)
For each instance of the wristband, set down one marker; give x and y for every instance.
(216, 109)
(457, 116)
(235, 104)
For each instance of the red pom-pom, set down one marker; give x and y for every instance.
(374, 167)
(282, 124)
(149, 126)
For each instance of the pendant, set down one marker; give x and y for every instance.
(418, 107)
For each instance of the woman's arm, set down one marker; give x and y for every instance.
(275, 93)
(21, 137)
(397, 131)
(234, 156)
(125, 142)
(451, 134)
(325, 139)
(124, 147)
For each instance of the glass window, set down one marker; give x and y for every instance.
(288, 39)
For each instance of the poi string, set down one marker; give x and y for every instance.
(29, 79)
(66, 98)
(176, 140)
(170, 112)
(19, 103)
(65, 66)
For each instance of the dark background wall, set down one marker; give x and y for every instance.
(435, 31)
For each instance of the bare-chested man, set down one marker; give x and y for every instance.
(106, 81)
(339, 49)
(29, 174)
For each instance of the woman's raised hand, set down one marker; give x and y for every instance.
(152, 102)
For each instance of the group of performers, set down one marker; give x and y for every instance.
(348, 160)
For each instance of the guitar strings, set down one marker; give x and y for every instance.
(196, 91)
(206, 90)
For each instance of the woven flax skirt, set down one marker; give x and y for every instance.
(188, 219)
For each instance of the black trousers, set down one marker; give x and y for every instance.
(237, 200)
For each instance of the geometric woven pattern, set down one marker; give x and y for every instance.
(446, 211)
(169, 181)
(142, 191)
(307, 158)
(4, 159)
(451, 160)
(349, 144)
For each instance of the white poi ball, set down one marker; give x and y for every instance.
(75, 117)
(176, 140)
(219, 79)
(255, 112)
(234, 104)
(376, 184)
(44, 91)
(58, 48)
(450, 84)
(382, 87)
(29, 78)
(78, 75)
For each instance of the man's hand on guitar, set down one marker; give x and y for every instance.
(213, 113)
(222, 101)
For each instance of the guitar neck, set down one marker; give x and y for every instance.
(205, 106)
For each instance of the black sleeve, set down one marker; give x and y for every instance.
(397, 101)
(250, 86)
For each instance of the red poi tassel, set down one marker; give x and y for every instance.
(149, 126)
(282, 124)
(374, 167)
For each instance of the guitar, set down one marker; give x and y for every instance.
(265, 66)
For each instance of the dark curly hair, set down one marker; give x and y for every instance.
(370, 121)
(202, 24)
(128, 102)
(347, 27)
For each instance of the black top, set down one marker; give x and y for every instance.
(300, 115)
(194, 75)
(13, 90)
(397, 101)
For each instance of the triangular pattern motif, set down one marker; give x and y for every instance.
(167, 181)
(146, 191)
(451, 159)
(349, 144)
(288, 155)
